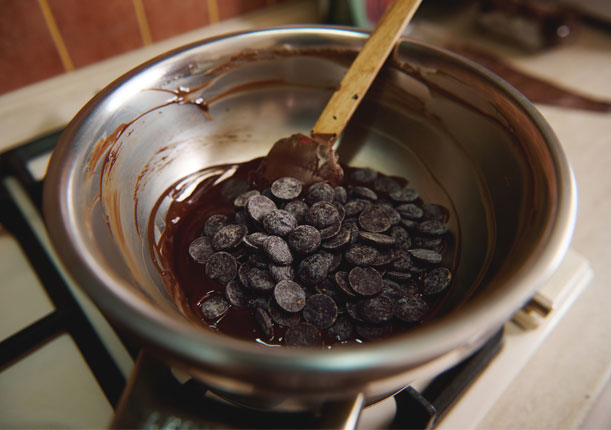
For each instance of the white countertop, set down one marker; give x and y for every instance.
(560, 385)
(565, 384)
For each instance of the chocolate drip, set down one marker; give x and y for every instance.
(535, 89)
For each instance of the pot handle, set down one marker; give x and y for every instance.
(343, 414)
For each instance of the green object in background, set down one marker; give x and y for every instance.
(366, 13)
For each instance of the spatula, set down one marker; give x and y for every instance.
(311, 158)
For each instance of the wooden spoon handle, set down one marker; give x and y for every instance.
(364, 69)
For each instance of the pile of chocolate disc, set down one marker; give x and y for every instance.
(325, 264)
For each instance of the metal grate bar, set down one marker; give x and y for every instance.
(29, 338)
(76, 324)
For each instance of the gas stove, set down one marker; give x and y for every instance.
(65, 365)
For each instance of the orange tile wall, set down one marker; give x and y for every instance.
(43, 38)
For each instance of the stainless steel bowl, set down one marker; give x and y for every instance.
(461, 135)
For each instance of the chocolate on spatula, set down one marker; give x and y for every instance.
(312, 159)
(301, 157)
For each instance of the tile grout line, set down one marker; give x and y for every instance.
(58, 41)
(143, 26)
(213, 11)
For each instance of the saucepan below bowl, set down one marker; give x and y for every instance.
(462, 136)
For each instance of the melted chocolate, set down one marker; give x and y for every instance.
(185, 279)
(537, 90)
(303, 158)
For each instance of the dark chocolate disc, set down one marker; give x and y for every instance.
(393, 214)
(432, 227)
(320, 310)
(280, 273)
(341, 239)
(329, 288)
(398, 276)
(213, 307)
(304, 239)
(375, 219)
(240, 201)
(236, 294)
(342, 330)
(320, 192)
(229, 237)
(409, 224)
(428, 242)
(341, 195)
(259, 301)
(255, 240)
(363, 193)
(385, 185)
(277, 250)
(410, 211)
(365, 281)
(303, 334)
(410, 309)
(376, 239)
(286, 188)
(385, 256)
(298, 208)
(364, 175)
(222, 267)
(258, 206)
(258, 260)
(243, 274)
(404, 195)
(279, 222)
(361, 255)
(260, 280)
(401, 236)
(355, 207)
(376, 310)
(341, 279)
(264, 322)
(436, 280)
(313, 269)
(434, 211)
(330, 232)
(289, 296)
(334, 259)
(282, 317)
(426, 256)
(340, 210)
(402, 261)
(214, 223)
(393, 290)
(201, 249)
(322, 214)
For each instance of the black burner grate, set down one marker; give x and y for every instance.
(67, 317)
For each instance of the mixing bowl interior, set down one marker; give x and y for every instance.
(403, 128)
